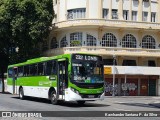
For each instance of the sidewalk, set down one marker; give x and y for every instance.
(5, 93)
(152, 100)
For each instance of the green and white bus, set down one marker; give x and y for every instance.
(67, 77)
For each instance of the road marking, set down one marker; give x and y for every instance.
(119, 109)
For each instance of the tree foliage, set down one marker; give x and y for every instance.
(24, 24)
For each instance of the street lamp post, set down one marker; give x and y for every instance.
(114, 60)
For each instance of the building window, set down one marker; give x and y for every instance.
(109, 62)
(129, 41)
(151, 63)
(134, 15)
(153, 17)
(76, 13)
(63, 42)
(125, 15)
(129, 63)
(148, 42)
(54, 43)
(145, 16)
(91, 41)
(109, 40)
(76, 39)
(145, 0)
(105, 13)
(114, 14)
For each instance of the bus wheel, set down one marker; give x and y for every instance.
(53, 98)
(21, 94)
(81, 102)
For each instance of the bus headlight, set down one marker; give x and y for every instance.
(75, 91)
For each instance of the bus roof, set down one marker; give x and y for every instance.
(36, 60)
(42, 59)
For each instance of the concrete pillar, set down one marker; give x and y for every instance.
(158, 9)
(140, 61)
(120, 36)
(149, 11)
(119, 61)
(140, 10)
(68, 39)
(100, 31)
(110, 10)
(140, 33)
(130, 10)
(87, 9)
(120, 10)
(84, 40)
(58, 2)
(100, 8)
(66, 9)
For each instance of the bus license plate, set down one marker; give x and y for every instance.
(90, 96)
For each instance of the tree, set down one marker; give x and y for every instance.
(24, 25)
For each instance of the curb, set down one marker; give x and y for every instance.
(155, 104)
(5, 93)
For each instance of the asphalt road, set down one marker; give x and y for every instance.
(10, 102)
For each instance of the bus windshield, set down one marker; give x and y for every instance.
(87, 72)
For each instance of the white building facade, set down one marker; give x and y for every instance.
(128, 30)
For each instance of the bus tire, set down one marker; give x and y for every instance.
(21, 94)
(53, 98)
(81, 102)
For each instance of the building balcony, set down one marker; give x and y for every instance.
(133, 70)
(107, 23)
(137, 52)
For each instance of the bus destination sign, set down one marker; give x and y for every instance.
(86, 57)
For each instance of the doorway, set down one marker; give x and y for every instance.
(62, 82)
(152, 87)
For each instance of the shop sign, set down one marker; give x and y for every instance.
(107, 70)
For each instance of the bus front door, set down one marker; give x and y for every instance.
(62, 79)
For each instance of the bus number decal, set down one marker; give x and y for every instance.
(79, 57)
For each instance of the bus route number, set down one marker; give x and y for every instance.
(79, 57)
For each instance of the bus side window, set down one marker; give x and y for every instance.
(54, 70)
(26, 70)
(10, 72)
(20, 71)
(15, 72)
(33, 70)
(40, 69)
(49, 67)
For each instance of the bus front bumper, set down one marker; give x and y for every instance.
(72, 96)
